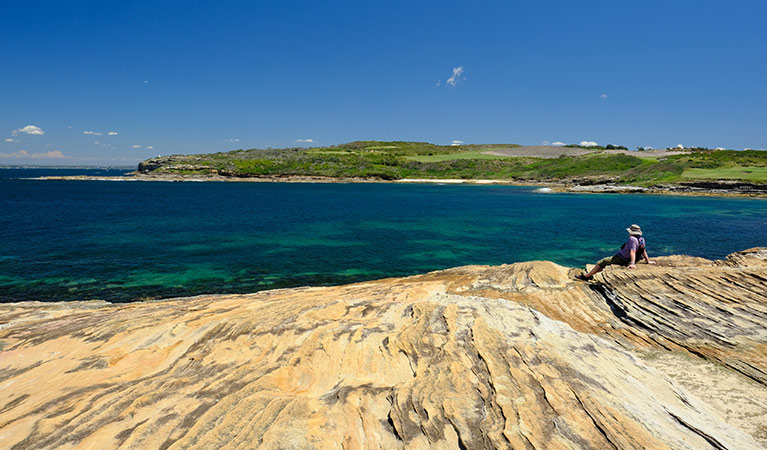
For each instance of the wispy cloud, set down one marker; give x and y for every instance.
(112, 133)
(232, 140)
(603, 96)
(29, 129)
(135, 146)
(557, 144)
(11, 140)
(23, 154)
(149, 147)
(588, 144)
(456, 143)
(304, 141)
(457, 76)
(92, 133)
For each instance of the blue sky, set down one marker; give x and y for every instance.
(195, 77)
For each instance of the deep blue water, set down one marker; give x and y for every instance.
(16, 173)
(123, 241)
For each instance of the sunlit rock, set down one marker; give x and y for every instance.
(513, 356)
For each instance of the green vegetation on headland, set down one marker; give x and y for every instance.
(408, 160)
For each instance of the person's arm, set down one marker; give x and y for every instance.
(647, 258)
(633, 259)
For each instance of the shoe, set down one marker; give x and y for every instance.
(582, 276)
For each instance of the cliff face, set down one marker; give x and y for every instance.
(515, 356)
(164, 164)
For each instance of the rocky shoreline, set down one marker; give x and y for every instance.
(672, 355)
(718, 188)
(714, 188)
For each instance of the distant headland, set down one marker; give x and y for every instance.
(577, 168)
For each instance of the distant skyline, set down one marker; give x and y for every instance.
(113, 83)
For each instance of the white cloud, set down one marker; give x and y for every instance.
(22, 154)
(457, 72)
(680, 146)
(557, 144)
(93, 133)
(302, 141)
(135, 146)
(149, 147)
(588, 144)
(11, 140)
(456, 143)
(603, 96)
(97, 142)
(232, 140)
(719, 148)
(112, 133)
(55, 154)
(29, 129)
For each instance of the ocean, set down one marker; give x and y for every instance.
(128, 241)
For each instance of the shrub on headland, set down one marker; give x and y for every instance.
(397, 160)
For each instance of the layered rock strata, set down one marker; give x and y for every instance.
(516, 356)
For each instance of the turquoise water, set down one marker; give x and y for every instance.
(123, 241)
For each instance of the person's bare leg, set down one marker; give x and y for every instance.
(594, 271)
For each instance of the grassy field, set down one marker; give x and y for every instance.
(748, 173)
(454, 156)
(397, 160)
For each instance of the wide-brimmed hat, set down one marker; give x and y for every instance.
(634, 230)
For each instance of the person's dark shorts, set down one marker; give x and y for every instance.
(610, 260)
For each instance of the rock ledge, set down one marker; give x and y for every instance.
(513, 356)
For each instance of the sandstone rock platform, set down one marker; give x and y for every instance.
(515, 356)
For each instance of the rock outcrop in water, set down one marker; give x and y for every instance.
(516, 356)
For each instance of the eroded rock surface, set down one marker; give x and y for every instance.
(515, 356)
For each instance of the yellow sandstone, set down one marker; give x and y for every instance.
(516, 356)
